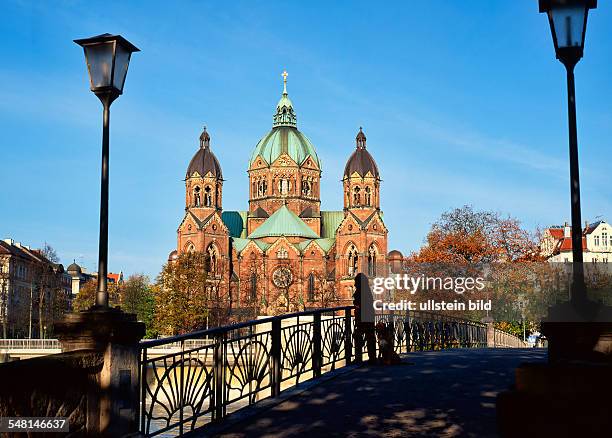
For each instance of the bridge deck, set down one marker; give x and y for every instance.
(446, 393)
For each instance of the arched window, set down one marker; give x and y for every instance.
(353, 259)
(311, 287)
(196, 197)
(207, 196)
(282, 253)
(253, 286)
(356, 196)
(190, 247)
(213, 259)
(306, 188)
(284, 186)
(368, 196)
(372, 261)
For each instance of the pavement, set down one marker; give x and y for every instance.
(448, 393)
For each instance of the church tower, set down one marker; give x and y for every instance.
(202, 228)
(203, 181)
(361, 238)
(284, 170)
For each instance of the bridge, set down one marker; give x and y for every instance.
(213, 382)
(257, 364)
(431, 393)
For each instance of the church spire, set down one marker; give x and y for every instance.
(284, 116)
(204, 139)
(361, 139)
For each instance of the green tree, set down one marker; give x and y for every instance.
(182, 295)
(136, 296)
(87, 296)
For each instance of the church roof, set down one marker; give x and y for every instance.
(361, 161)
(284, 140)
(204, 160)
(283, 222)
(330, 221)
(235, 221)
(284, 137)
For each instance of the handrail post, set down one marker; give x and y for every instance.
(143, 390)
(348, 342)
(219, 384)
(275, 356)
(317, 357)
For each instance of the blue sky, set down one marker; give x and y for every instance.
(462, 103)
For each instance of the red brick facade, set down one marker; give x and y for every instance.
(301, 257)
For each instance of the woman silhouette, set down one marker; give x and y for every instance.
(364, 317)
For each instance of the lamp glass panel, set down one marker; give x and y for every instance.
(122, 60)
(568, 25)
(100, 63)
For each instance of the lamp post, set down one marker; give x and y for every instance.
(107, 57)
(568, 20)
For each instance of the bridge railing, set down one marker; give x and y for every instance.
(418, 331)
(504, 339)
(241, 364)
(29, 344)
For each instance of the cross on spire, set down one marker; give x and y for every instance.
(284, 75)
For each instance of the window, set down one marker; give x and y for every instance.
(284, 186)
(253, 286)
(596, 240)
(196, 197)
(604, 239)
(372, 261)
(306, 188)
(311, 287)
(282, 253)
(368, 196)
(353, 258)
(207, 196)
(213, 258)
(356, 196)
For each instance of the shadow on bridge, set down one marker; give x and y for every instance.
(443, 393)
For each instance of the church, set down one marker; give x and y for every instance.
(284, 253)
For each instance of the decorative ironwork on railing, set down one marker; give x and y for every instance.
(208, 374)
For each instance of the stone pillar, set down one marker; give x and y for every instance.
(112, 408)
(490, 331)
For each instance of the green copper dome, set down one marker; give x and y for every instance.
(285, 140)
(284, 137)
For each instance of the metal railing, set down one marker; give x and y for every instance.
(29, 344)
(247, 362)
(419, 331)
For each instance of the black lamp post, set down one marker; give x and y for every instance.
(107, 57)
(568, 20)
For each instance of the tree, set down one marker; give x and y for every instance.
(136, 296)
(86, 297)
(463, 235)
(469, 243)
(181, 295)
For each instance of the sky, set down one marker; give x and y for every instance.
(462, 103)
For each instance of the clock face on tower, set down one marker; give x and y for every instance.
(282, 277)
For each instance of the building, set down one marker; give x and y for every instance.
(79, 276)
(596, 243)
(27, 277)
(284, 253)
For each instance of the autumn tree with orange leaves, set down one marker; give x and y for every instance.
(468, 243)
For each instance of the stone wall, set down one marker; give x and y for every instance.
(60, 385)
